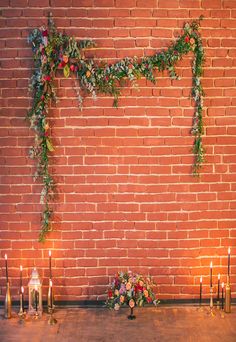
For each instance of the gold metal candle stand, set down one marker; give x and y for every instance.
(8, 302)
(21, 313)
(52, 320)
(228, 296)
(211, 303)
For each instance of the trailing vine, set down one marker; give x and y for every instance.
(53, 50)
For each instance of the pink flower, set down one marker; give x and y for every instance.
(187, 39)
(72, 67)
(47, 78)
(45, 33)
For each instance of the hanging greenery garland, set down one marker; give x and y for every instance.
(53, 50)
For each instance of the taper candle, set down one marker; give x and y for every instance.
(222, 296)
(6, 267)
(218, 292)
(211, 274)
(228, 261)
(20, 277)
(50, 264)
(200, 290)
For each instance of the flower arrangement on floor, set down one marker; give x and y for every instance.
(132, 290)
(53, 50)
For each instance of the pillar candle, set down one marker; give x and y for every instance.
(6, 267)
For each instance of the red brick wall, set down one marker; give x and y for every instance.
(126, 199)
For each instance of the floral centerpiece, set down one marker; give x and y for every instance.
(132, 290)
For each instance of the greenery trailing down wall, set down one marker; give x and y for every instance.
(53, 50)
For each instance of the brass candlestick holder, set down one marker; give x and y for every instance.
(21, 313)
(8, 302)
(52, 320)
(212, 313)
(50, 297)
(228, 296)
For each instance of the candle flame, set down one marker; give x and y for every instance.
(223, 284)
(219, 276)
(211, 264)
(50, 283)
(22, 289)
(50, 253)
(229, 250)
(201, 279)
(21, 268)
(5, 256)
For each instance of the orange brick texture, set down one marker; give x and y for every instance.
(126, 198)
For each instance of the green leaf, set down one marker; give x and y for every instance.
(66, 71)
(49, 145)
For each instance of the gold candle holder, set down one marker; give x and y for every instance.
(50, 297)
(211, 303)
(52, 320)
(7, 314)
(228, 296)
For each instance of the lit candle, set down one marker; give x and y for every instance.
(201, 290)
(20, 277)
(6, 267)
(228, 261)
(22, 293)
(222, 297)
(211, 274)
(50, 264)
(51, 293)
(218, 293)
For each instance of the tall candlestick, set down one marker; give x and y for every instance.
(201, 290)
(211, 274)
(51, 294)
(20, 277)
(6, 267)
(222, 296)
(50, 264)
(228, 261)
(218, 292)
(22, 293)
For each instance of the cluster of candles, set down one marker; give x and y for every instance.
(218, 284)
(36, 293)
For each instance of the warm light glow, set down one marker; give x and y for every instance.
(50, 253)
(5, 256)
(201, 279)
(211, 264)
(21, 268)
(22, 289)
(223, 284)
(229, 250)
(50, 283)
(219, 276)
(36, 287)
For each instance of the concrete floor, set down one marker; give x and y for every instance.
(162, 324)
